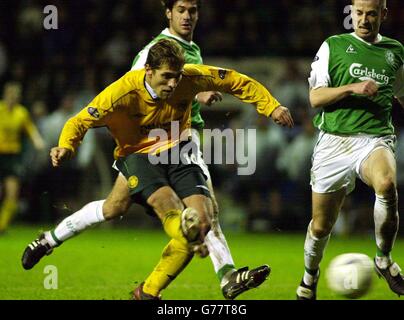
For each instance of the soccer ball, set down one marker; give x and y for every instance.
(350, 275)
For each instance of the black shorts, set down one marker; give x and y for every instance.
(10, 165)
(144, 177)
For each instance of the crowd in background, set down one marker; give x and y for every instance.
(99, 38)
(62, 70)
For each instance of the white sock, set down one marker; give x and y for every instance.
(91, 214)
(309, 278)
(226, 277)
(386, 222)
(219, 251)
(52, 242)
(313, 250)
(384, 262)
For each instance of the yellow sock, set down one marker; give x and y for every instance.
(7, 212)
(172, 225)
(174, 259)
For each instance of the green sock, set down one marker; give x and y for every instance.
(55, 239)
(223, 270)
(380, 253)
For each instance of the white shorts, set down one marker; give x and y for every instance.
(199, 157)
(337, 160)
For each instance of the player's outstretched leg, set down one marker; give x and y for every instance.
(313, 253)
(243, 280)
(90, 215)
(35, 251)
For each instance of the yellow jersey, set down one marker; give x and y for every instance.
(13, 123)
(127, 109)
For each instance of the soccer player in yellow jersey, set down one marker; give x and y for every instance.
(140, 101)
(182, 17)
(14, 122)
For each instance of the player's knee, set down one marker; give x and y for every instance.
(115, 209)
(321, 229)
(386, 188)
(162, 201)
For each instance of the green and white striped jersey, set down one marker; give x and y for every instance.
(192, 55)
(345, 59)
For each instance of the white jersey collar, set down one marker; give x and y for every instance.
(150, 90)
(378, 38)
(167, 32)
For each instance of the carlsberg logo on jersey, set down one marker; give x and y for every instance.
(357, 70)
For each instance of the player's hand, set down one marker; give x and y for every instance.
(368, 88)
(209, 97)
(281, 116)
(58, 155)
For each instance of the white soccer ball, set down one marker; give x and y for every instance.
(350, 275)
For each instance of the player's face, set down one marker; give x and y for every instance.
(164, 80)
(183, 18)
(12, 95)
(367, 17)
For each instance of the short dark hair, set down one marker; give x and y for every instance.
(169, 4)
(381, 2)
(166, 52)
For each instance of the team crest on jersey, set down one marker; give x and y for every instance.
(351, 49)
(222, 74)
(390, 57)
(133, 181)
(93, 112)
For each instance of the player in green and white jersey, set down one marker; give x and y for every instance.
(182, 16)
(182, 33)
(354, 79)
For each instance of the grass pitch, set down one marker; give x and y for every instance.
(107, 263)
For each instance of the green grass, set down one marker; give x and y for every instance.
(106, 263)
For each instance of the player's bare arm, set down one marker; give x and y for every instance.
(368, 88)
(281, 116)
(37, 140)
(58, 155)
(325, 96)
(209, 97)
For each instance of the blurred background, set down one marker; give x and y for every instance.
(61, 70)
